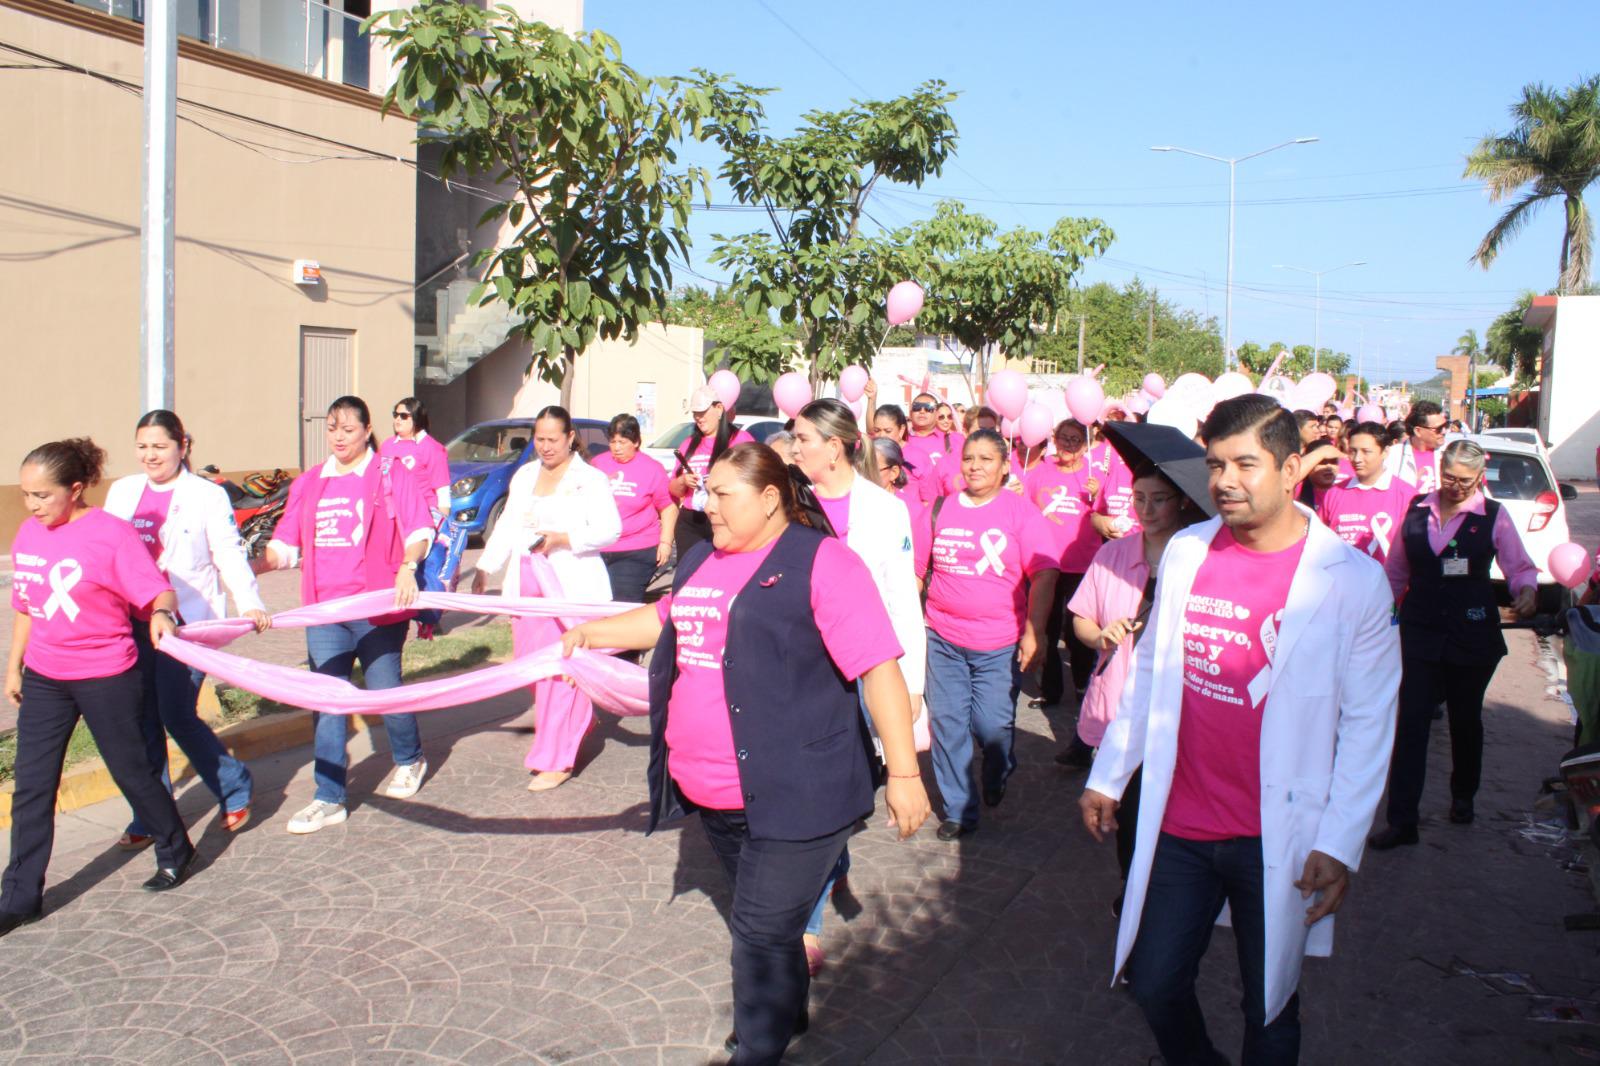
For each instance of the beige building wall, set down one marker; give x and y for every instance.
(69, 231)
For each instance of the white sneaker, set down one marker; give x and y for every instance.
(407, 780)
(319, 814)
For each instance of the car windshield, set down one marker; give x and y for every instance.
(1509, 476)
(488, 444)
(674, 436)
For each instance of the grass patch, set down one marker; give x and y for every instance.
(452, 653)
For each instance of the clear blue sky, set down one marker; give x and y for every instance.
(1060, 104)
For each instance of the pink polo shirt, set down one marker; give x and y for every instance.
(639, 488)
(1230, 633)
(1521, 571)
(1112, 589)
(982, 558)
(855, 630)
(1367, 517)
(78, 582)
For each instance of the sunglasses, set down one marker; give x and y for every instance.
(402, 416)
(924, 407)
(1070, 442)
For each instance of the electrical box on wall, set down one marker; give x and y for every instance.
(307, 272)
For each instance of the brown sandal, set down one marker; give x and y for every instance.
(134, 841)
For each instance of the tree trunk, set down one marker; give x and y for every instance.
(567, 381)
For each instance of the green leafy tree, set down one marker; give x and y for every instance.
(1552, 152)
(1257, 359)
(815, 268)
(1131, 331)
(749, 345)
(586, 146)
(1515, 346)
(991, 291)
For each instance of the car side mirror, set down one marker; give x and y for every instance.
(1568, 492)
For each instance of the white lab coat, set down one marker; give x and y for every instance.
(200, 547)
(582, 507)
(880, 533)
(1327, 732)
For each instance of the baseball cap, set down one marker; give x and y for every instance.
(703, 398)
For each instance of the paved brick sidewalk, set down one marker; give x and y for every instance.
(478, 923)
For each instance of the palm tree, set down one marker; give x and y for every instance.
(1554, 150)
(1467, 345)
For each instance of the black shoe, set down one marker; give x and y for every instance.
(1038, 703)
(1392, 837)
(1461, 811)
(951, 830)
(1077, 755)
(10, 920)
(168, 878)
(993, 797)
(731, 1044)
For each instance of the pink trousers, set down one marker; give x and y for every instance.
(562, 714)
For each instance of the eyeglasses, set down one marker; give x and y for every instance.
(1070, 442)
(924, 407)
(1152, 501)
(402, 416)
(1458, 482)
(1440, 428)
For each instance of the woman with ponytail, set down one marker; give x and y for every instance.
(755, 721)
(80, 576)
(843, 468)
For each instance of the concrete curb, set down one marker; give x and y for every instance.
(90, 782)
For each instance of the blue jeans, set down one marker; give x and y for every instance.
(971, 694)
(1189, 881)
(171, 699)
(840, 868)
(333, 650)
(630, 573)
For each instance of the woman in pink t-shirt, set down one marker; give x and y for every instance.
(755, 721)
(713, 434)
(993, 575)
(419, 453)
(354, 524)
(80, 574)
(644, 503)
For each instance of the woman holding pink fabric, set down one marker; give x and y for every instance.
(1107, 612)
(561, 508)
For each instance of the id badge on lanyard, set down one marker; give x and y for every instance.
(1454, 564)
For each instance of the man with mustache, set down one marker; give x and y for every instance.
(1262, 707)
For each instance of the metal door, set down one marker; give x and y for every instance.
(324, 377)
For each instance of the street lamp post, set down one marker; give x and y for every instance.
(1227, 344)
(1316, 342)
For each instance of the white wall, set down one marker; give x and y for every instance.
(1570, 411)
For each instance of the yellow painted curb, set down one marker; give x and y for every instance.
(90, 782)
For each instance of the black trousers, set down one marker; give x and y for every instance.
(692, 528)
(1081, 657)
(1128, 821)
(775, 887)
(50, 710)
(1423, 683)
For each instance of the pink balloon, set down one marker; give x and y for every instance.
(852, 383)
(1138, 403)
(1085, 399)
(1317, 389)
(1370, 412)
(1008, 393)
(1154, 385)
(791, 392)
(1569, 564)
(1229, 385)
(725, 383)
(1008, 428)
(905, 300)
(1035, 425)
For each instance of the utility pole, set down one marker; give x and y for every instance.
(1472, 392)
(1082, 331)
(155, 231)
(1150, 327)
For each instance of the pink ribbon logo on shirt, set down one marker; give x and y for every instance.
(63, 577)
(1269, 643)
(1382, 525)
(993, 542)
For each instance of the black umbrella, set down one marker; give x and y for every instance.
(1179, 458)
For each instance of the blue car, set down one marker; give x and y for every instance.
(483, 458)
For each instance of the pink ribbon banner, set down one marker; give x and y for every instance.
(617, 686)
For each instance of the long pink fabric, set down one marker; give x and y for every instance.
(616, 686)
(562, 714)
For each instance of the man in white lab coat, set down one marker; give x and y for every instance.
(1262, 707)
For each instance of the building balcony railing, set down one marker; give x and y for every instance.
(303, 35)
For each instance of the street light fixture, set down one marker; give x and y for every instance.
(1316, 343)
(1233, 163)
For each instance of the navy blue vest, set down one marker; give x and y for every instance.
(1450, 619)
(803, 747)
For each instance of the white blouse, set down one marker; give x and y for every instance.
(582, 507)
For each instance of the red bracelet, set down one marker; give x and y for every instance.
(905, 777)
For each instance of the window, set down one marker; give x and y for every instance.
(1516, 477)
(490, 444)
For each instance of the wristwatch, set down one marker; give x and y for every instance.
(409, 566)
(171, 615)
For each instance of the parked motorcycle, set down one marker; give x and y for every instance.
(257, 504)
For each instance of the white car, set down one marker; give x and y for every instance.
(1518, 476)
(1525, 434)
(663, 447)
